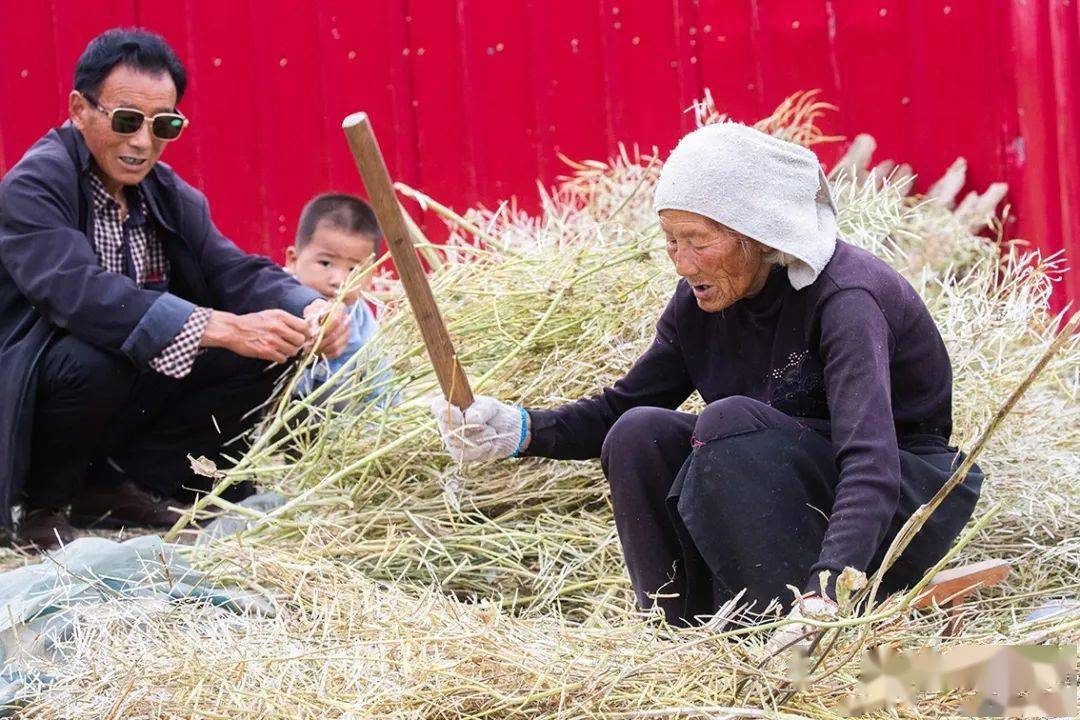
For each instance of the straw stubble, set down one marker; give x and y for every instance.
(408, 586)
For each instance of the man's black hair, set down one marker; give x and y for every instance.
(341, 211)
(134, 48)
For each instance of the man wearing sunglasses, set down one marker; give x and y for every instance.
(132, 333)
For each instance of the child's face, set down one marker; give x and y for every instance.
(326, 261)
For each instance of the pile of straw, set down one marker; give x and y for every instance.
(408, 586)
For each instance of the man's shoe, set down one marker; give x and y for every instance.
(122, 504)
(44, 528)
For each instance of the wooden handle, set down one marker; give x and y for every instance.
(369, 161)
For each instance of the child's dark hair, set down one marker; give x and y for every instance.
(341, 211)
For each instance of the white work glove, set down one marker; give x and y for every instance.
(487, 430)
(815, 607)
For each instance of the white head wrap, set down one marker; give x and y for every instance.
(768, 189)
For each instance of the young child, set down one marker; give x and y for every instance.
(338, 233)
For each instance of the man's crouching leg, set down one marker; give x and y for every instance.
(80, 391)
(205, 414)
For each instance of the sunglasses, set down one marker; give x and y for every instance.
(128, 121)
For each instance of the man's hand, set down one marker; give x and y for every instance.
(273, 335)
(336, 338)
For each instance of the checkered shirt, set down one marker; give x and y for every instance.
(150, 266)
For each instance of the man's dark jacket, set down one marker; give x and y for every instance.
(51, 282)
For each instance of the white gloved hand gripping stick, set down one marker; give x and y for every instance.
(487, 430)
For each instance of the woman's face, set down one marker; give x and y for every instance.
(721, 265)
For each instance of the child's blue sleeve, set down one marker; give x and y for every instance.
(363, 328)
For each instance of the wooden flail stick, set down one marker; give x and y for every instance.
(369, 161)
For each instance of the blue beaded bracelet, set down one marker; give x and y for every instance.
(524, 431)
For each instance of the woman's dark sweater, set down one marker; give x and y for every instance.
(857, 348)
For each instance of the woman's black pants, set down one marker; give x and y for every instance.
(761, 522)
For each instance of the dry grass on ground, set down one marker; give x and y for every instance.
(406, 586)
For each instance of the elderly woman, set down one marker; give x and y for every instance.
(827, 390)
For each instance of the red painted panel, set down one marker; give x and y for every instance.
(30, 86)
(473, 99)
(959, 92)
(727, 43)
(567, 81)
(875, 76)
(499, 107)
(687, 24)
(75, 23)
(445, 146)
(1065, 38)
(1035, 183)
(795, 52)
(368, 71)
(643, 73)
(294, 141)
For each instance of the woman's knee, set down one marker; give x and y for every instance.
(732, 416)
(635, 426)
(647, 437)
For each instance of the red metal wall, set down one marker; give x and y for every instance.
(472, 99)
